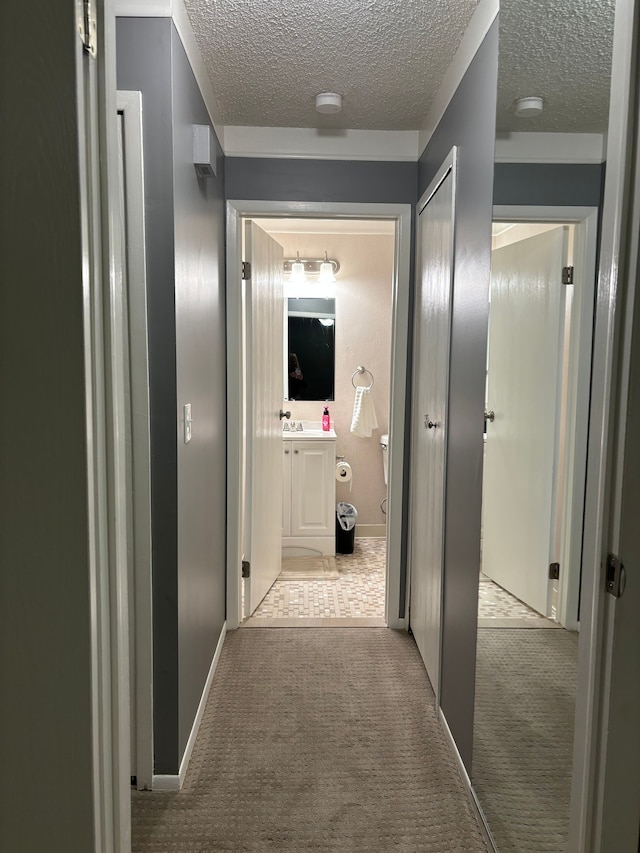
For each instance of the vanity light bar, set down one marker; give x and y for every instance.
(311, 265)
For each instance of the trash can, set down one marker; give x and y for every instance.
(346, 515)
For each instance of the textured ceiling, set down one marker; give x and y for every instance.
(559, 50)
(267, 60)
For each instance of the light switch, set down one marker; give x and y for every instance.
(187, 423)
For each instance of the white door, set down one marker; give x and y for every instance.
(520, 468)
(429, 419)
(264, 330)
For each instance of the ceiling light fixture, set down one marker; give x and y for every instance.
(326, 272)
(300, 268)
(529, 107)
(328, 103)
(297, 271)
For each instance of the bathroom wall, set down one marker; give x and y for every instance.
(363, 293)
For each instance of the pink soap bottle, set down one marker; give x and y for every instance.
(326, 421)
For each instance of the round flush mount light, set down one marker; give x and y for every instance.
(529, 107)
(328, 103)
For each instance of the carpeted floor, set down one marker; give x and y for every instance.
(315, 740)
(523, 736)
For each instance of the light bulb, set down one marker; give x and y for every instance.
(326, 272)
(298, 275)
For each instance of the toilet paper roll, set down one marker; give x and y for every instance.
(344, 474)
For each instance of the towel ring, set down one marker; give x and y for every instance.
(361, 369)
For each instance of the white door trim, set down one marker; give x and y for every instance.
(586, 221)
(401, 214)
(607, 423)
(106, 458)
(130, 105)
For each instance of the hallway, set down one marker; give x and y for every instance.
(315, 740)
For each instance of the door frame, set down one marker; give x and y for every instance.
(605, 729)
(140, 573)
(585, 220)
(106, 465)
(401, 214)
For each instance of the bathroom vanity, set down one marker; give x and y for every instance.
(309, 493)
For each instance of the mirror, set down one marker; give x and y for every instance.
(526, 658)
(310, 349)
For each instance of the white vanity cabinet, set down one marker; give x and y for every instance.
(309, 495)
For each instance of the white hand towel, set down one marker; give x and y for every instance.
(364, 419)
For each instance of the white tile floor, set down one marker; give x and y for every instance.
(358, 592)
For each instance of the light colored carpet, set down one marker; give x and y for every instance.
(315, 740)
(308, 568)
(523, 736)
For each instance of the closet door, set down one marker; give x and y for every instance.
(432, 325)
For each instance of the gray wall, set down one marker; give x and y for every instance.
(201, 380)
(185, 296)
(560, 184)
(269, 179)
(469, 122)
(46, 800)
(144, 64)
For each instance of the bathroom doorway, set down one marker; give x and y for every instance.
(367, 325)
(330, 330)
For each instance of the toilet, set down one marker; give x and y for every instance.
(384, 444)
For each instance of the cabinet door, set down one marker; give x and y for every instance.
(313, 488)
(286, 488)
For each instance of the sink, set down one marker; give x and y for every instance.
(310, 430)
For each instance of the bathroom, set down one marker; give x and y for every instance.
(363, 294)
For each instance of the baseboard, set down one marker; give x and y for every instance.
(466, 781)
(174, 783)
(371, 531)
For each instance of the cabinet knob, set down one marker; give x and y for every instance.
(296, 451)
(286, 451)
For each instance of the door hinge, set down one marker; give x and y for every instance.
(567, 275)
(616, 576)
(246, 270)
(246, 569)
(554, 571)
(87, 25)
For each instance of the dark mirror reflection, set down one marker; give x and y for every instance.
(310, 349)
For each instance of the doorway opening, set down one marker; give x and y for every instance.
(362, 316)
(537, 400)
(334, 355)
